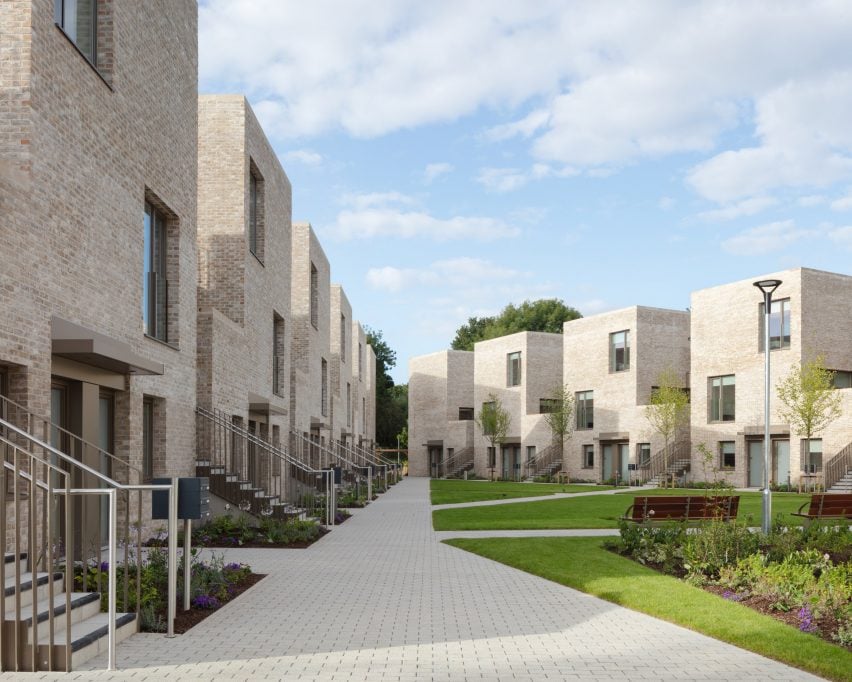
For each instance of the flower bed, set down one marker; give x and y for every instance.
(802, 577)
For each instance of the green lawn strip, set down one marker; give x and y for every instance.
(583, 564)
(594, 511)
(452, 491)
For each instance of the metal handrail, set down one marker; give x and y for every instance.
(465, 455)
(543, 460)
(109, 487)
(5, 403)
(663, 459)
(837, 467)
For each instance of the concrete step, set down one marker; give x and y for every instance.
(83, 605)
(26, 588)
(88, 639)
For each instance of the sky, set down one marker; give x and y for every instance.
(455, 156)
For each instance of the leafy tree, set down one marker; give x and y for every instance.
(494, 421)
(560, 418)
(391, 400)
(668, 411)
(544, 315)
(809, 402)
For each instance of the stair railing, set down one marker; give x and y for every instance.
(24, 456)
(366, 460)
(837, 467)
(664, 458)
(266, 466)
(545, 460)
(460, 459)
(352, 471)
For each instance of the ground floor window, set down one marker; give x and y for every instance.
(588, 456)
(727, 454)
(643, 454)
(812, 459)
(492, 457)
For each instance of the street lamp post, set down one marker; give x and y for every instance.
(767, 287)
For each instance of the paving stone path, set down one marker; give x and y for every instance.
(380, 598)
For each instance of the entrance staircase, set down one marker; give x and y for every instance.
(838, 472)
(456, 465)
(667, 463)
(546, 463)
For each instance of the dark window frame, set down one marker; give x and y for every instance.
(514, 371)
(588, 454)
(723, 455)
(466, 414)
(781, 341)
(155, 282)
(584, 410)
(624, 364)
(717, 401)
(314, 302)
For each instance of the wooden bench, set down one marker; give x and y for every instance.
(682, 508)
(827, 506)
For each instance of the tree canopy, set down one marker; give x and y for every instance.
(391, 400)
(543, 315)
(809, 402)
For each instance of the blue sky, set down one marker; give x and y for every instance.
(457, 156)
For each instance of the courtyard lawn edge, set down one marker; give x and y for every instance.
(449, 491)
(583, 564)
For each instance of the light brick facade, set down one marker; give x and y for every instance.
(342, 385)
(244, 302)
(439, 386)
(725, 332)
(657, 340)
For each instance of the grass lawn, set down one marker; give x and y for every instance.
(597, 511)
(452, 491)
(583, 564)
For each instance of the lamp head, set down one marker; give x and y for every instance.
(767, 286)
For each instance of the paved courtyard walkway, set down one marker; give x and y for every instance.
(380, 598)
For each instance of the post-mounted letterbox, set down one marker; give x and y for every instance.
(193, 498)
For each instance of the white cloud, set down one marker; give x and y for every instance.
(842, 236)
(435, 170)
(766, 238)
(810, 200)
(456, 273)
(741, 208)
(392, 214)
(525, 127)
(593, 306)
(303, 156)
(843, 203)
(502, 179)
(666, 203)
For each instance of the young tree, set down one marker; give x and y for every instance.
(494, 421)
(560, 417)
(809, 402)
(668, 411)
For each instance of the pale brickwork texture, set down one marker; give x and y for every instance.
(725, 333)
(340, 342)
(541, 369)
(81, 154)
(244, 295)
(438, 385)
(369, 437)
(658, 341)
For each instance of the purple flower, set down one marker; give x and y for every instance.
(731, 596)
(204, 601)
(104, 565)
(233, 567)
(806, 620)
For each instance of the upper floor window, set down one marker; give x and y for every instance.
(779, 324)
(842, 379)
(360, 361)
(79, 20)
(722, 398)
(256, 212)
(619, 351)
(314, 296)
(155, 286)
(348, 404)
(513, 369)
(343, 338)
(465, 414)
(548, 405)
(584, 406)
(324, 389)
(278, 346)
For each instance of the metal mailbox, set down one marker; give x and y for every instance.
(193, 498)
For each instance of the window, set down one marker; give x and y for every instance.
(348, 404)
(812, 456)
(588, 456)
(278, 354)
(364, 414)
(147, 439)
(548, 405)
(155, 286)
(619, 351)
(79, 21)
(842, 379)
(256, 212)
(728, 454)
(492, 457)
(324, 389)
(513, 369)
(584, 405)
(450, 452)
(722, 398)
(530, 453)
(360, 361)
(465, 414)
(485, 407)
(343, 338)
(643, 454)
(314, 296)
(779, 324)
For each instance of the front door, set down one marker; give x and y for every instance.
(436, 453)
(615, 458)
(781, 462)
(755, 464)
(511, 470)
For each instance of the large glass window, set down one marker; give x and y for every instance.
(155, 286)
(513, 369)
(722, 398)
(348, 404)
(465, 414)
(548, 405)
(148, 439)
(324, 389)
(79, 20)
(728, 454)
(584, 406)
(812, 459)
(278, 348)
(588, 456)
(619, 351)
(842, 379)
(643, 454)
(342, 338)
(779, 324)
